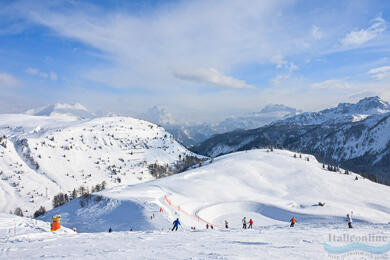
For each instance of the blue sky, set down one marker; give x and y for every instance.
(202, 60)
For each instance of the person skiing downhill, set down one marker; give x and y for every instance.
(349, 220)
(207, 226)
(176, 224)
(110, 230)
(226, 224)
(293, 220)
(250, 223)
(244, 223)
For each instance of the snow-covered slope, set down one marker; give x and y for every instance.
(269, 187)
(41, 156)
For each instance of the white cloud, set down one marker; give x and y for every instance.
(201, 33)
(380, 72)
(212, 76)
(331, 84)
(280, 63)
(7, 80)
(37, 72)
(316, 32)
(53, 76)
(362, 36)
(280, 78)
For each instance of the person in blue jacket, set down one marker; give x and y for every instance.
(176, 224)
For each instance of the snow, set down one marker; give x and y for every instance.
(44, 155)
(269, 187)
(343, 113)
(275, 242)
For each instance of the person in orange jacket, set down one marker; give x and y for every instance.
(292, 221)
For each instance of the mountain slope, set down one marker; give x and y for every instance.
(354, 136)
(269, 187)
(42, 156)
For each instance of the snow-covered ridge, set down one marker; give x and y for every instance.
(41, 156)
(343, 113)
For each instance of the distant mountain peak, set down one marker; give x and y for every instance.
(158, 115)
(270, 108)
(76, 111)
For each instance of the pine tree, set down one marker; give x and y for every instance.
(18, 212)
(40, 212)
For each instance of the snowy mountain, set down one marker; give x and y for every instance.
(41, 156)
(75, 111)
(192, 134)
(355, 136)
(268, 187)
(343, 113)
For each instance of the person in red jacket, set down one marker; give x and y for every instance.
(250, 223)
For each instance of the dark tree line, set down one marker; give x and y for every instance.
(61, 198)
(159, 171)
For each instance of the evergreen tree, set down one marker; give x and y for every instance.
(18, 212)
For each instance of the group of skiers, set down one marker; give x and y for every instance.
(293, 220)
(177, 223)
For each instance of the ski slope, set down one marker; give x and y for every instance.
(271, 242)
(269, 187)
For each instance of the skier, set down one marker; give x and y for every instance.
(211, 226)
(349, 220)
(244, 223)
(226, 224)
(207, 226)
(293, 220)
(176, 224)
(109, 230)
(250, 223)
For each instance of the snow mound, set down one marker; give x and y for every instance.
(269, 187)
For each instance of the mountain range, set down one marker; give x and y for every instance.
(193, 133)
(354, 136)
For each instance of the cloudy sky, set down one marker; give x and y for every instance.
(201, 60)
